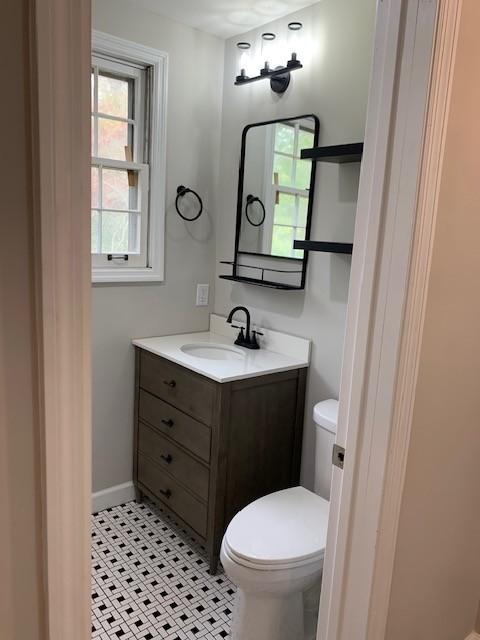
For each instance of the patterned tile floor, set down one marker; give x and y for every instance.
(150, 581)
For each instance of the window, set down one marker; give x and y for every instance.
(119, 174)
(128, 175)
(290, 187)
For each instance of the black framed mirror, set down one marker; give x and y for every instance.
(275, 202)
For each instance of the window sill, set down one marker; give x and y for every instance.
(125, 276)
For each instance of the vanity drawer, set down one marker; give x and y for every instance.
(178, 426)
(179, 464)
(188, 391)
(189, 508)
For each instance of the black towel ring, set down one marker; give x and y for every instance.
(182, 191)
(251, 200)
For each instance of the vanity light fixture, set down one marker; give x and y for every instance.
(279, 76)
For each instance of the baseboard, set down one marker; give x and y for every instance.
(473, 636)
(113, 496)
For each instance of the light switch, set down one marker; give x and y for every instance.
(202, 295)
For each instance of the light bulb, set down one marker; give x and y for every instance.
(294, 42)
(269, 51)
(244, 61)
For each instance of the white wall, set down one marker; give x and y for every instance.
(123, 312)
(334, 86)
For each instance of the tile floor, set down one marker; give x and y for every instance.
(149, 583)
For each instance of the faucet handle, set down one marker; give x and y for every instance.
(241, 336)
(255, 344)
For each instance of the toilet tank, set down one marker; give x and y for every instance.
(325, 416)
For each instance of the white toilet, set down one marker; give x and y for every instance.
(273, 551)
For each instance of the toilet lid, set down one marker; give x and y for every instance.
(283, 528)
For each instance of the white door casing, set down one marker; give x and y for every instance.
(386, 309)
(59, 39)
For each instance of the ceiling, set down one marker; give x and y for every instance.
(224, 18)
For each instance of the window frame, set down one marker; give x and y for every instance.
(120, 49)
(139, 165)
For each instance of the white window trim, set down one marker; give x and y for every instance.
(155, 271)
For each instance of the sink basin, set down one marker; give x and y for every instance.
(212, 351)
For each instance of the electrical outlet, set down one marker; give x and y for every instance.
(202, 295)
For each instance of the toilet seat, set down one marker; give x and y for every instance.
(257, 566)
(283, 530)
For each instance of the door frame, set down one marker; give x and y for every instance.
(384, 318)
(60, 62)
(414, 52)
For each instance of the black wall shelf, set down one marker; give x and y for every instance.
(326, 247)
(262, 283)
(339, 154)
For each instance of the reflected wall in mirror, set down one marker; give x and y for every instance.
(276, 187)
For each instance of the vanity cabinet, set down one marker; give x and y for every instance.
(204, 450)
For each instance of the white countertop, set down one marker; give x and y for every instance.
(251, 363)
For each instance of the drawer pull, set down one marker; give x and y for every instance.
(167, 493)
(170, 383)
(168, 458)
(168, 423)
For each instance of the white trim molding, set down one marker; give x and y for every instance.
(428, 193)
(113, 496)
(158, 60)
(373, 178)
(354, 604)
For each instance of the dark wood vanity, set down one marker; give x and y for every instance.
(204, 450)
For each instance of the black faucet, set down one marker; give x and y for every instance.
(244, 339)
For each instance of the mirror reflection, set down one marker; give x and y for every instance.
(277, 187)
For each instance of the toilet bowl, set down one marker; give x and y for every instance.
(273, 551)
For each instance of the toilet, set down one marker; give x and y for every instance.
(273, 551)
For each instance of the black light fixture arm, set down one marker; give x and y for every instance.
(279, 77)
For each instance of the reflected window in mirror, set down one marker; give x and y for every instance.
(290, 186)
